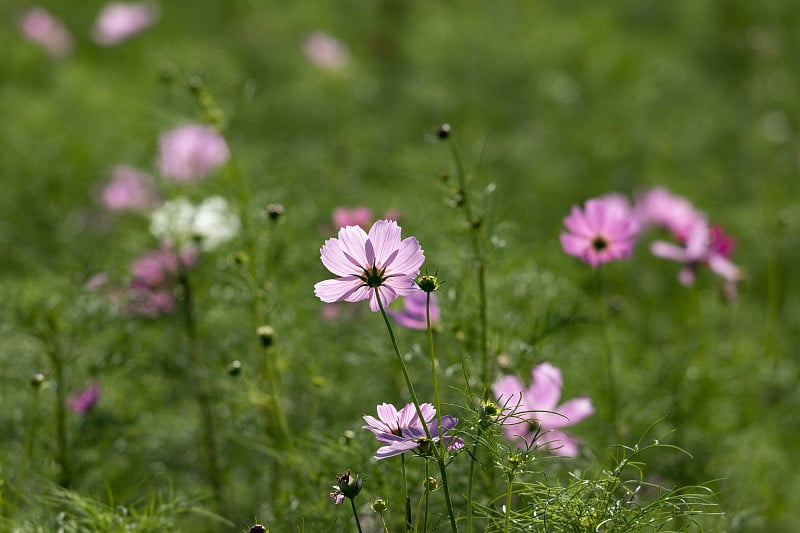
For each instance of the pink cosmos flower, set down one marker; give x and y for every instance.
(604, 231)
(533, 416)
(659, 207)
(82, 401)
(154, 276)
(370, 266)
(191, 152)
(119, 21)
(413, 314)
(130, 189)
(357, 216)
(326, 51)
(403, 431)
(702, 246)
(42, 28)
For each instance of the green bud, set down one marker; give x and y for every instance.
(258, 528)
(379, 505)
(37, 380)
(430, 484)
(428, 282)
(349, 485)
(444, 131)
(235, 368)
(266, 334)
(274, 211)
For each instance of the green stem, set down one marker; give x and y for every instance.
(355, 514)
(406, 499)
(508, 504)
(62, 454)
(477, 237)
(610, 373)
(199, 374)
(427, 499)
(432, 351)
(439, 454)
(471, 478)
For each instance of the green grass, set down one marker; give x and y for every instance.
(551, 102)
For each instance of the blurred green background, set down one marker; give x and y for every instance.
(553, 102)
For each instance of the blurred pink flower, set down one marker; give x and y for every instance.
(659, 207)
(413, 314)
(82, 401)
(370, 264)
(118, 21)
(702, 246)
(96, 281)
(130, 189)
(326, 51)
(39, 26)
(154, 276)
(604, 231)
(356, 216)
(533, 414)
(191, 152)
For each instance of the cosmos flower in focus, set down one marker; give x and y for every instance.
(191, 152)
(413, 313)
(403, 431)
(211, 223)
(84, 400)
(119, 21)
(326, 51)
(130, 189)
(533, 415)
(42, 28)
(603, 231)
(373, 264)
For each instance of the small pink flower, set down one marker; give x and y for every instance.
(659, 207)
(326, 51)
(414, 315)
(191, 152)
(702, 246)
(403, 431)
(83, 401)
(604, 231)
(373, 264)
(130, 190)
(533, 416)
(119, 21)
(42, 28)
(154, 277)
(357, 216)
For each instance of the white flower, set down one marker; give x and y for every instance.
(181, 222)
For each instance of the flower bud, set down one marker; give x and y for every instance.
(379, 505)
(37, 380)
(430, 484)
(274, 211)
(258, 528)
(427, 282)
(235, 368)
(266, 334)
(444, 131)
(349, 485)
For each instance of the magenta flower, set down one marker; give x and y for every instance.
(42, 28)
(702, 246)
(191, 152)
(83, 401)
(372, 265)
(532, 416)
(326, 51)
(130, 190)
(604, 231)
(659, 207)
(403, 431)
(357, 216)
(413, 314)
(119, 21)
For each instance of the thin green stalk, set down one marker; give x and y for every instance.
(427, 499)
(199, 375)
(432, 351)
(508, 504)
(355, 514)
(415, 401)
(62, 453)
(471, 480)
(478, 238)
(406, 499)
(610, 373)
(30, 437)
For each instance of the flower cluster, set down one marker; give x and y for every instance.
(154, 277)
(403, 430)
(608, 227)
(532, 416)
(211, 223)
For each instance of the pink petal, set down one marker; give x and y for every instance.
(508, 391)
(336, 261)
(569, 413)
(724, 267)
(560, 443)
(577, 224)
(546, 387)
(575, 245)
(385, 238)
(352, 240)
(667, 250)
(337, 290)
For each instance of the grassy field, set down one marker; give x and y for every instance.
(549, 103)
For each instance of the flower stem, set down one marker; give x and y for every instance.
(478, 239)
(610, 373)
(508, 504)
(406, 499)
(355, 514)
(434, 378)
(199, 375)
(439, 451)
(427, 500)
(62, 453)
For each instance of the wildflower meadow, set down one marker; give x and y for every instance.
(399, 266)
